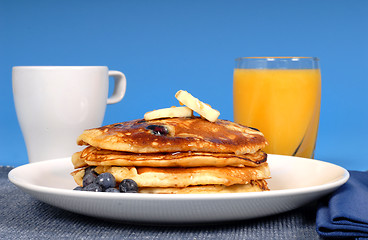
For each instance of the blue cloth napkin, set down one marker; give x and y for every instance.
(344, 213)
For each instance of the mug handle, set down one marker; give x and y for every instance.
(119, 87)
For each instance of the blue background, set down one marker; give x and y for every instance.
(164, 46)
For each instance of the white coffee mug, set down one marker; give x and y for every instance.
(54, 104)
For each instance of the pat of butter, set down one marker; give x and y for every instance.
(169, 113)
(203, 109)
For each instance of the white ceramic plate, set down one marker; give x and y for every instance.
(295, 182)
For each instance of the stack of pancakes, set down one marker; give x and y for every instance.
(177, 155)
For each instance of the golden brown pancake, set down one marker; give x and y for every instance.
(175, 135)
(99, 157)
(253, 186)
(177, 155)
(182, 177)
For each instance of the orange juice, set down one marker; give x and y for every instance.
(284, 104)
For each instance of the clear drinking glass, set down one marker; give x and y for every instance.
(281, 97)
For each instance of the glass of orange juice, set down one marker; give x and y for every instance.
(281, 97)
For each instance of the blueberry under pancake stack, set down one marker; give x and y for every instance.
(169, 154)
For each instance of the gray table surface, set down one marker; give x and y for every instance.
(23, 217)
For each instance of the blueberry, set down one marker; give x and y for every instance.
(112, 190)
(128, 186)
(158, 130)
(93, 187)
(106, 180)
(89, 170)
(78, 188)
(89, 178)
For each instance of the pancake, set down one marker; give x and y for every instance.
(182, 177)
(175, 135)
(99, 157)
(253, 186)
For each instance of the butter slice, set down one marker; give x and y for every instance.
(203, 109)
(169, 113)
